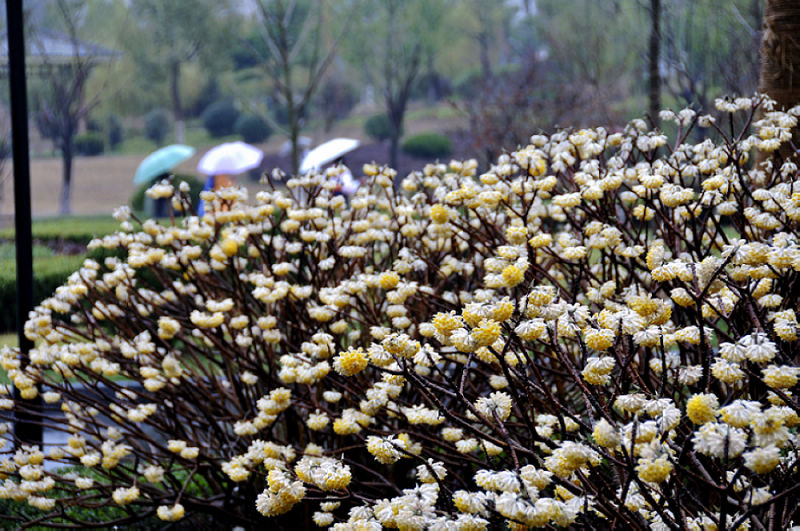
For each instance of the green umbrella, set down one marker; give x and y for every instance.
(161, 161)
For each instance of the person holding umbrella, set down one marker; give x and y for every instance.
(346, 185)
(223, 161)
(157, 166)
(333, 151)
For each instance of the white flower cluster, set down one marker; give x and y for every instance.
(599, 329)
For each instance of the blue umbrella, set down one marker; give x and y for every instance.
(161, 161)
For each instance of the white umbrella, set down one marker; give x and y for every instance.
(230, 158)
(327, 152)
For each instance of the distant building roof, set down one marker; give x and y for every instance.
(48, 47)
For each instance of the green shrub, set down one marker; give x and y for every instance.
(378, 127)
(89, 144)
(195, 187)
(252, 128)
(336, 98)
(114, 131)
(78, 229)
(209, 93)
(49, 272)
(220, 118)
(156, 125)
(428, 145)
(5, 148)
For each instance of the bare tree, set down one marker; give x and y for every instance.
(399, 34)
(484, 36)
(294, 33)
(62, 103)
(585, 58)
(171, 34)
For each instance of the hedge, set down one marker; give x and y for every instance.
(48, 273)
(252, 128)
(78, 229)
(89, 144)
(156, 125)
(115, 131)
(219, 118)
(378, 127)
(428, 145)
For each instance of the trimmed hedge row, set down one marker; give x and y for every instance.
(71, 229)
(252, 128)
(89, 144)
(220, 117)
(48, 273)
(378, 127)
(428, 145)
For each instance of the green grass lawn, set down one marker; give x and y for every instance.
(195, 136)
(442, 111)
(135, 145)
(8, 251)
(439, 111)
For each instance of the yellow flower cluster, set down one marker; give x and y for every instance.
(325, 473)
(124, 496)
(280, 495)
(592, 329)
(170, 513)
(350, 362)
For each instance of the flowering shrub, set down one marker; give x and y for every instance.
(600, 330)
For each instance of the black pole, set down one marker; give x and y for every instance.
(26, 428)
(654, 90)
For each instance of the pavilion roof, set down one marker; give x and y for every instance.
(53, 48)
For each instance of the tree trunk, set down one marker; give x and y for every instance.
(654, 93)
(433, 79)
(294, 135)
(396, 113)
(486, 63)
(294, 128)
(66, 183)
(780, 58)
(394, 144)
(177, 108)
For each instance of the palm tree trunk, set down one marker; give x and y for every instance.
(780, 56)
